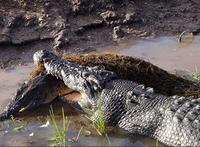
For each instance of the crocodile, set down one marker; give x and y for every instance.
(39, 90)
(173, 120)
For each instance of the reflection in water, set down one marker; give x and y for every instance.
(164, 52)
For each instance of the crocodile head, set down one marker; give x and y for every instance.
(88, 81)
(39, 90)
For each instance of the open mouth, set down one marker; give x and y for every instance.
(81, 98)
(44, 89)
(71, 95)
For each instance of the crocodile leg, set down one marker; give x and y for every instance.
(86, 80)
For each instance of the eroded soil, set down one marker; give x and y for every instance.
(85, 25)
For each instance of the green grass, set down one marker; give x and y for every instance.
(19, 126)
(79, 133)
(157, 143)
(196, 76)
(60, 138)
(99, 123)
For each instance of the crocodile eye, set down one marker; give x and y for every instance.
(85, 74)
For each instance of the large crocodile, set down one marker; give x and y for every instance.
(173, 120)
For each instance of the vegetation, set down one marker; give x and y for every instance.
(19, 126)
(99, 122)
(60, 138)
(196, 76)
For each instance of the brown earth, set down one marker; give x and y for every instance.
(85, 25)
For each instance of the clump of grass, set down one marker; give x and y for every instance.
(196, 76)
(60, 138)
(99, 122)
(157, 143)
(18, 125)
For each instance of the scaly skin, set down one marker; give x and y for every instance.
(172, 120)
(88, 81)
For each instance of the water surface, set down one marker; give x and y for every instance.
(165, 52)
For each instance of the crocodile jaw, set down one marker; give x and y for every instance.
(87, 104)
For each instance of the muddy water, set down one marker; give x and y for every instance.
(10, 81)
(164, 52)
(27, 130)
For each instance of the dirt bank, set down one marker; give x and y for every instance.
(84, 25)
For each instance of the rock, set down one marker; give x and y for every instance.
(31, 21)
(79, 31)
(19, 29)
(111, 18)
(61, 39)
(88, 26)
(93, 25)
(109, 15)
(76, 5)
(4, 39)
(131, 18)
(117, 32)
